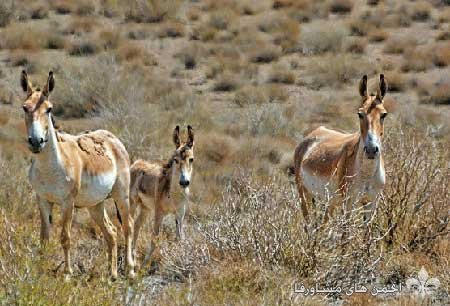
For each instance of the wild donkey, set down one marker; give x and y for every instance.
(351, 164)
(151, 187)
(76, 171)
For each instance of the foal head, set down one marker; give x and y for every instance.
(184, 155)
(37, 108)
(371, 116)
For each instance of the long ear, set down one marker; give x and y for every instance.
(190, 141)
(383, 87)
(176, 136)
(50, 84)
(363, 86)
(26, 85)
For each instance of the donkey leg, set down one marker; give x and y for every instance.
(181, 212)
(141, 218)
(100, 216)
(67, 214)
(45, 209)
(156, 226)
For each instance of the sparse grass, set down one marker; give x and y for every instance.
(356, 45)
(226, 81)
(22, 36)
(84, 47)
(397, 81)
(378, 35)
(417, 59)
(420, 10)
(6, 12)
(84, 7)
(109, 39)
(151, 11)
(133, 52)
(281, 74)
(38, 11)
(81, 25)
(264, 53)
(62, 7)
(441, 56)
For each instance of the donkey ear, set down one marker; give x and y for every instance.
(363, 86)
(50, 84)
(24, 83)
(176, 136)
(383, 87)
(190, 136)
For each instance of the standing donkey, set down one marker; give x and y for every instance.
(351, 164)
(76, 171)
(151, 187)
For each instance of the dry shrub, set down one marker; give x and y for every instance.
(109, 39)
(444, 16)
(81, 25)
(84, 47)
(398, 45)
(264, 53)
(133, 52)
(440, 94)
(355, 45)
(417, 59)
(284, 30)
(397, 81)
(216, 148)
(55, 41)
(151, 10)
(172, 30)
(327, 71)
(249, 95)
(204, 33)
(227, 81)
(281, 74)
(221, 19)
(191, 55)
(419, 11)
(6, 12)
(63, 6)
(84, 7)
(340, 6)
(21, 36)
(321, 38)
(441, 56)
(444, 35)
(23, 59)
(378, 35)
(38, 11)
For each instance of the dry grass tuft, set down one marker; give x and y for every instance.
(356, 45)
(84, 8)
(281, 74)
(340, 6)
(226, 81)
(420, 11)
(6, 12)
(38, 11)
(84, 47)
(172, 30)
(441, 56)
(151, 11)
(321, 38)
(264, 53)
(397, 81)
(63, 7)
(133, 52)
(398, 45)
(417, 59)
(378, 35)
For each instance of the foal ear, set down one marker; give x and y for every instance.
(176, 137)
(50, 84)
(190, 141)
(363, 86)
(25, 84)
(383, 87)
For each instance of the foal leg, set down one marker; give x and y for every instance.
(67, 215)
(100, 216)
(140, 219)
(181, 212)
(45, 209)
(159, 214)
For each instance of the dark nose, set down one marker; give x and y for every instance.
(35, 142)
(184, 183)
(371, 151)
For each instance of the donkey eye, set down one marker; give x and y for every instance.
(48, 110)
(360, 115)
(191, 160)
(383, 115)
(25, 109)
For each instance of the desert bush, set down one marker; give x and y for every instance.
(340, 6)
(397, 81)
(249, 95)
(6, 13)
(327, 71)
(84, 7)
(377, 35)
(109, 39)
(22, 36)
(133, 52)
(356, 45)
(284, 30)
(62, 6)
(440, 94)
(226, 81)
(151, 10)
(420, 11)
(191, 55)
(417, 59)
(38, 11)
(281, 74)
(320, 38)
(172, 30)
(81, 26)
(84, 47)
(441, 56)
(444, 35)
(398, 45)
(221, 19)
(264, 54)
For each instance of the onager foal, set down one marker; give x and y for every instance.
(76, 171)
(151, 187)
(349, 164)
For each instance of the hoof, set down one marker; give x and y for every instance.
(131, 274)
(67, 277)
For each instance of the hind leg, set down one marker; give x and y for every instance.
(99, 215)
(45, 209)
(140, 220)
(120, 195)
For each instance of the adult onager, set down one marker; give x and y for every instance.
(151, 186)
(348, 164)
(76, 171)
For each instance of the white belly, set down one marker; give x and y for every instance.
(318, 186)
(95, 189)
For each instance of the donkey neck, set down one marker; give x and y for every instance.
(51, 153)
